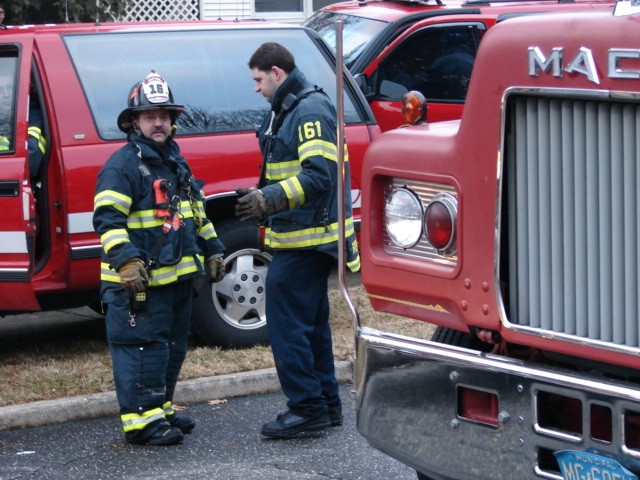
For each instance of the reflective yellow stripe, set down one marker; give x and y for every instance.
(114, 237)
(199, 207)
(354, 265)
(185, 210)
(144, 219)
(135, 421)
(159, 276)
(147, 218)
(168, 408)
(107, 274)
(207, 231)
(166, 275)
(280, 170)
(321, 148)
(293, 191)
(307, 237)
(36, 133)
(111, 198)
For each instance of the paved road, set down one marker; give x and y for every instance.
(225, 445)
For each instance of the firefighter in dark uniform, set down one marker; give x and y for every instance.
(149, 214)
(36, 141)
(297, 197)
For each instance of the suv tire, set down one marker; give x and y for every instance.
(231, 313)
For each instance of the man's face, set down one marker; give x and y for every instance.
(154, 124)
(266, 83)
(6, 94)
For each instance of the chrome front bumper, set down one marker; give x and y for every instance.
(408, 406)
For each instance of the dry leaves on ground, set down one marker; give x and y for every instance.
(47, 367)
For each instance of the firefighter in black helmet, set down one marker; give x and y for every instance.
(156, 239)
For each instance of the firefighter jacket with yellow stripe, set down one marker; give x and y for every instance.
(36, 142)
(298, 142)
(126, 215)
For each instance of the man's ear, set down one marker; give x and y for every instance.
(279, 73)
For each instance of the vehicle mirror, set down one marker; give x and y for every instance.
(361, 81)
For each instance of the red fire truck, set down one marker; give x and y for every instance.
(515, 231)
(394, 46)
(76, 78)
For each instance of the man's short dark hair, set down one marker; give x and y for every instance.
(270, 55)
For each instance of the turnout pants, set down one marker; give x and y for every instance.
(297, 308)
(147, 352)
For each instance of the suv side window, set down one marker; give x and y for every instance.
(206, 69)
(437, 61)
(8, 80)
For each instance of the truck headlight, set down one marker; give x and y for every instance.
(403, 217)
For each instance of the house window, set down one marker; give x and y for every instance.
(265, 6)
(318, 4)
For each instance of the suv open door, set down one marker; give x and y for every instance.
(17, 206)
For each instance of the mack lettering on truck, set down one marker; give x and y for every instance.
(583, 63)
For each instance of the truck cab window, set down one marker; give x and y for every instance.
(436, 61)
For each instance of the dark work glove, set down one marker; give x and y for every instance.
(216, 268)
(133, 275)
(251, 204)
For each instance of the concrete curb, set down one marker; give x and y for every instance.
(189, 391)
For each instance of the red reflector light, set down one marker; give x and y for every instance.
(440, 223)
(478, 406)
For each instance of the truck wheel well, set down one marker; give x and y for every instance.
(457, 338)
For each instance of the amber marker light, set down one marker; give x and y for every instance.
(414, 108)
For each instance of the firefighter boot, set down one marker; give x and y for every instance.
(335, 415)
(185, 424)
(158, 433)
(289, 424)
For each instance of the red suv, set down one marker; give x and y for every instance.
(77, 77)
(395, 46)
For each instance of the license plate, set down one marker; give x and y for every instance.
(587, 466)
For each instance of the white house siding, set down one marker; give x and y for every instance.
(245, 9)
(157, 10)
(226, 9)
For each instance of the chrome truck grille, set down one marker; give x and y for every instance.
(569, 219)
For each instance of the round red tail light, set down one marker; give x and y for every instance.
(440, 223)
